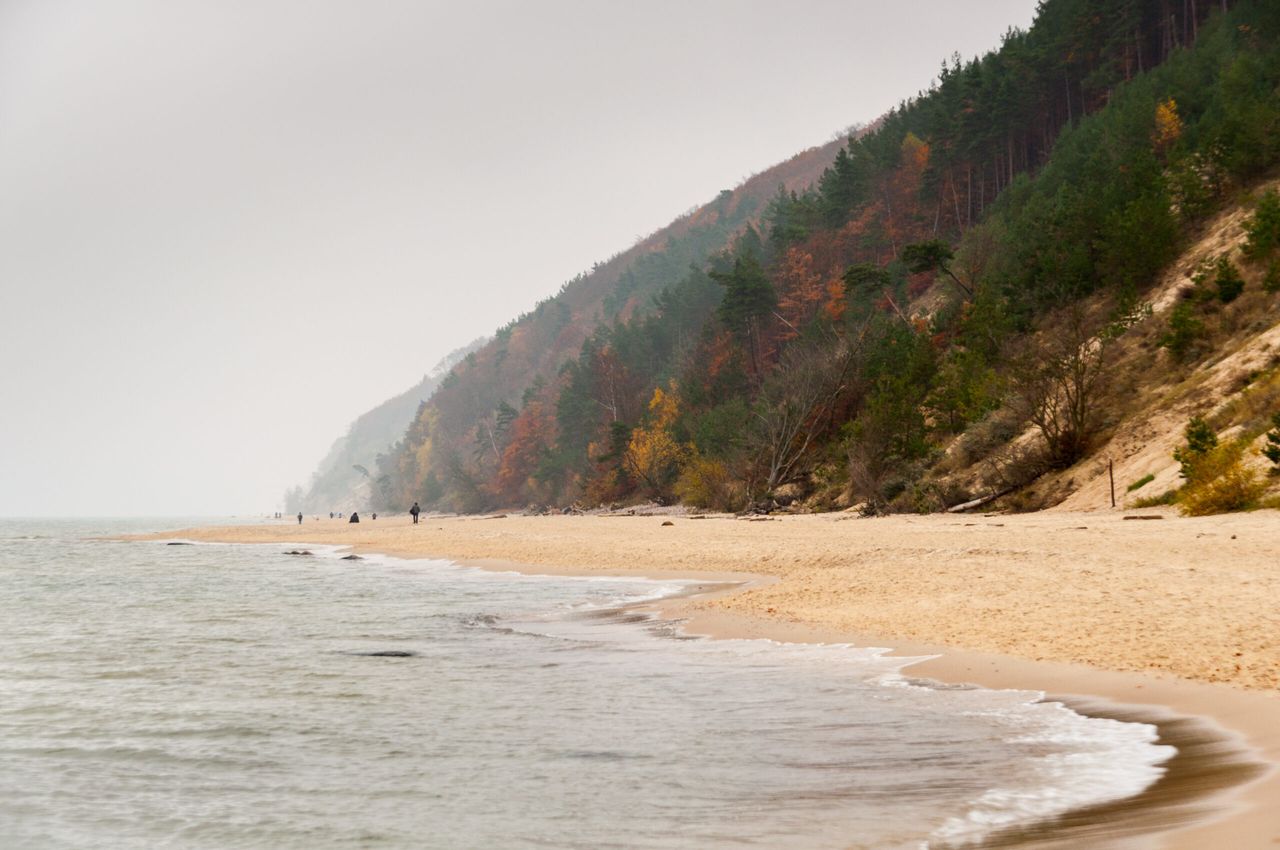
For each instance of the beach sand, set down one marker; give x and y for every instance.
(1164, 619)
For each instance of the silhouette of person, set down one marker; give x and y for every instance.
(355, 517)
(414, 511)
(299, 517)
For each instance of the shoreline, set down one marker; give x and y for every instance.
(1215, 792)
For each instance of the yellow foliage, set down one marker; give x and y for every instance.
(1168, 124)
(652, 453)
(664, 407)
(705, 483)
(1221, 483)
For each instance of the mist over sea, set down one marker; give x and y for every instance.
(225, 696)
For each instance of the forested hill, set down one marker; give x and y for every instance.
(938, 316)
(470, 410)
(343, 480)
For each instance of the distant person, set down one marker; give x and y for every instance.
(299, 517)
(355, 516)
(414, 511)
(330, 514)
(375, 514)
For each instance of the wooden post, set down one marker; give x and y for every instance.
(1111, 473)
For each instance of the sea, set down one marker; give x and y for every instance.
(235, 696)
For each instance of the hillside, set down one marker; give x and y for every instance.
(342, 480)
(468, 413)
(969, 300)
(533, 346)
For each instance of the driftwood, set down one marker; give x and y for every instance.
(978, 502)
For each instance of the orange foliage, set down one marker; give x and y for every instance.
(531, 433)
(835, 302)
(801, 291)
(720, 354)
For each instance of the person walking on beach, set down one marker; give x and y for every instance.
(299, 517)
(414, 511)
(355, 517)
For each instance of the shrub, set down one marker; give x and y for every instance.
(1184, 330)
(1271, 451)
(1201, 440)
(1222, 483)
(1228, 281)
(1263, 228)
(1271, 283)
(706, 483)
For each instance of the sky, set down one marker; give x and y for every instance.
(229, 228)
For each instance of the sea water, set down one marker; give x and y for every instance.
(226, 696)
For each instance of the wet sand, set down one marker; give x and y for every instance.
(1172, 620)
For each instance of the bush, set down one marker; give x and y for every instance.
(1221, 484)
(1271, 451)
(1228, 281)
(1184, 330)
(706, 483)
(1263, 228)
(1271, 283)
(1201, 440)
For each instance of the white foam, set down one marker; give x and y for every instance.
(1099, 761)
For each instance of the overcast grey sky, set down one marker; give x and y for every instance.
(228, 227)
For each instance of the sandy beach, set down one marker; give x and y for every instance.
(1166, 616)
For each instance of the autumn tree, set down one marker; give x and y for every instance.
(653, 455)
(802, 292)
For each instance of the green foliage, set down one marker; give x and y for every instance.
(932, 256)
(1227, 280)
(1201, 440)
(1271, 282)
(1073, 160)
(1263, 228)
(967, 388)
(861, 278)
(1140, 483)
(1271, 451)
(1184, 331)
(748, 297)
(717, 433)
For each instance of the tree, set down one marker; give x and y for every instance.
(1058, 380)
(653, 455)
(749, 298)
(1201, 440)
(1184, 330)
(802, 292)
(794, 410)
(1263, 227)
(934, 256)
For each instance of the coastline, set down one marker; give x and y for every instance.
(1216, 799)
